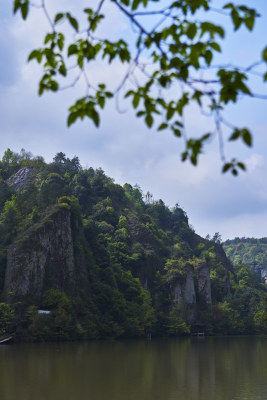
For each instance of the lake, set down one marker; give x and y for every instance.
(227, 368)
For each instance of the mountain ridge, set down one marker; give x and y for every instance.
(107, 261)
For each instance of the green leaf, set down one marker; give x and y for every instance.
(37, 54)
(235, 135)
(140, 113)
(226, 167)
(170, 113)
(206, 137)
(72, 49)
(247, 137)
(264, 54)
(249, 22)
(241, 166)
(95, 117)
(62, 70)
(60, 41)
(101, 101)
(193, 159)
(16, 6)
(136, 100)
(177, 132)
(228, 5)
(109, 95)
(244, 134)
(234, 171)
(208, 56)
(135, 4)
(149, 120)
(191, 31)
(72, 118)
(184, 155)
(163, 126)
(215, 46)
(24, 9)
(73, 22)
(53, 85)
(49, 38)
(197, 96)
(58, 17)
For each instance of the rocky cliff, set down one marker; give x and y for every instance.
(21, 178)
(42, 258)
(184, 289)
(192, 289)
(204, 286)
(263, 273)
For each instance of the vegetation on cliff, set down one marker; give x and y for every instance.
(134, 267)
(247, 251)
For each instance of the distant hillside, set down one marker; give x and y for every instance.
(248, 251)
(104, 260)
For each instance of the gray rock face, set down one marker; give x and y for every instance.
(264, 275)
(184, 290)
(21, 178)
(42, 258)
(185, 295)
(204, 287)
(189, 290)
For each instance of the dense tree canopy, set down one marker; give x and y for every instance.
(247, 251)
(169, 53)
(131, 255)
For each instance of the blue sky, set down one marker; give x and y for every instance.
(124, 147)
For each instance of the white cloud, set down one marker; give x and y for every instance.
(254, 162)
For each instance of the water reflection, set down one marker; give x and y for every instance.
(177, 369)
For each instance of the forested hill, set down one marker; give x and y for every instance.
(83, 257)
(248, 251)
(251, 252)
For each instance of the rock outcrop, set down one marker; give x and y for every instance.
(193, 291)
(41, 259)
(204, 287)
(185, 295)
(264, 275)
(184, 289)
(21, 178)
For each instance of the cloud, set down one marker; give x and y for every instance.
(254, 162)
(245, 225)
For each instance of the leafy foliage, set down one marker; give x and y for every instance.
(170, 64)
(249, 251)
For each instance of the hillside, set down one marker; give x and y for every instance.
(251, 252)
(104, 260)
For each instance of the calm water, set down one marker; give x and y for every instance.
(176, 369)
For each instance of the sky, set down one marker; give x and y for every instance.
(122, 146)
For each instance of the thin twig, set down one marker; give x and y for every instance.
(73, 84)
(220, 135)
(47, 15)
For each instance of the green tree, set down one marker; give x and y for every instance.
(10, 219)
(181, 43)
(7, 317)
(61, 317)
(176, 326)
(260, 317)
(9, 157)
